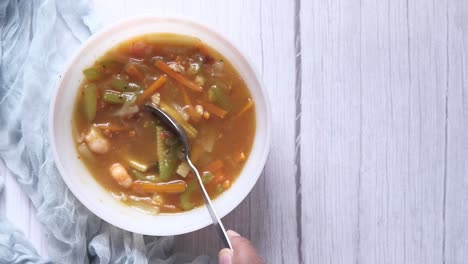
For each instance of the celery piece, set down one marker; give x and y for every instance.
(90, 101)
(220, 98)
(185, 197)
(92, 74)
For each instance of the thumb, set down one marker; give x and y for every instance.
(244, 252)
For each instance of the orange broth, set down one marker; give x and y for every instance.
(197, 86)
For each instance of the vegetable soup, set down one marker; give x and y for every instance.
(134, 155)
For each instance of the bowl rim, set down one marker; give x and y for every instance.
(237, 200)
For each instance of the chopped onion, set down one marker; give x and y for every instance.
(128, 108)
(158, 199)
(183, 169)
(156, 98)
(218, 68)
(199, 109)
(200, 80)
(208, 141)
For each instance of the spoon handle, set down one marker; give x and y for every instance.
(216, 221)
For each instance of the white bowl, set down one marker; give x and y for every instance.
(92, 194)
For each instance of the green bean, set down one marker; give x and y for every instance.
(122, 85)
(89, 101)
(167, 157)
(113, 97)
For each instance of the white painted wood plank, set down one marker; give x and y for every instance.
(330, 125)
(374, 77)
(402, 203)
(456, 211)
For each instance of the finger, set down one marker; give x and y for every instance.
(244, 252)
(225, 256)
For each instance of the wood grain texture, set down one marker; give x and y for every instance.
(331, 116)
(456, 198)
(370, 142)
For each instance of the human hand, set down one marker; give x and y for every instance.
(244, 252)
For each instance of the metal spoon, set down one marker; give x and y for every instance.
(177, 128)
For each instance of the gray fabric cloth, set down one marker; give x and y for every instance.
(37, 39)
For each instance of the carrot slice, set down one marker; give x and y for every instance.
(134, 72)
(177, 76)
(221, 113)
(152, 89)
(186, 98)
(162, 187)
(244, 109)
(214, 166)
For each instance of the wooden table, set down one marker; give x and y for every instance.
(369, 157)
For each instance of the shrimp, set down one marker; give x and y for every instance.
(96, 142)
(120, 174)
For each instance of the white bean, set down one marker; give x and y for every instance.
(120, 174)
(96, 142)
